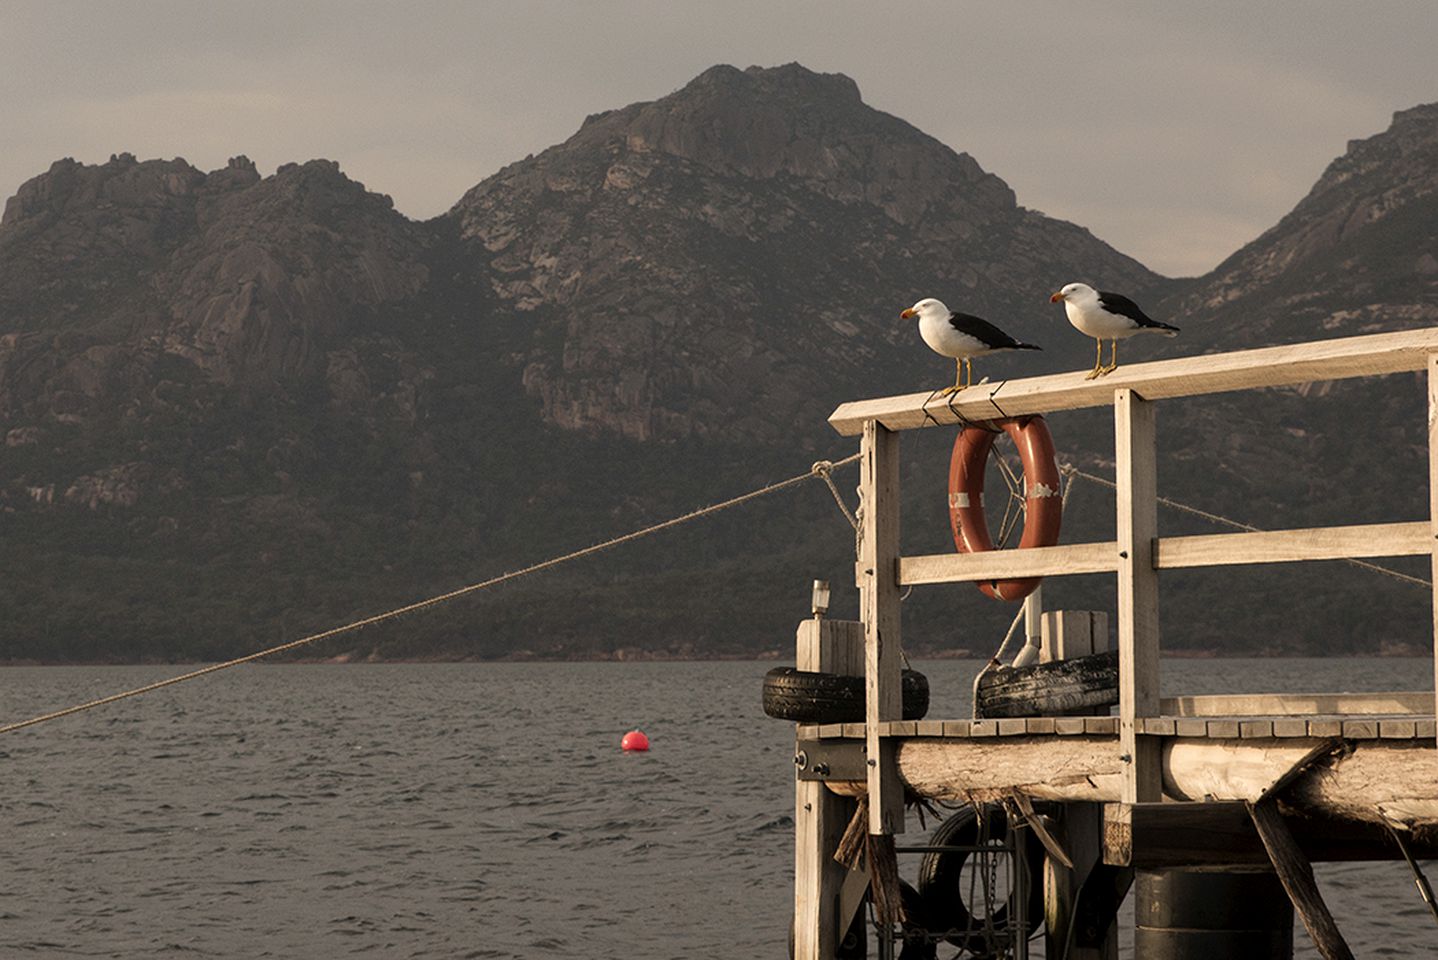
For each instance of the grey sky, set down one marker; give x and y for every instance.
(1176, 132)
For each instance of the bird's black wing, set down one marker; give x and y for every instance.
(981, 329)
(1124, 307)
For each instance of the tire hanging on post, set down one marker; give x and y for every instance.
(1043, 500)
(942, 888)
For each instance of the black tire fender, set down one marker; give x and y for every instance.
(804, 696)
(941, 888)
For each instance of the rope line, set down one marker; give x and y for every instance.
(1070, 469)
(820, 469)
(824, 470)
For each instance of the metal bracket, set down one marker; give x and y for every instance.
(830, 760)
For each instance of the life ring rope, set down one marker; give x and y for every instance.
(1042, 490)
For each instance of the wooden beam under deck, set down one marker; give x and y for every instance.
(1381, 353)
(1154, 836)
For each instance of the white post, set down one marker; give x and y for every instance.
(1033, 629)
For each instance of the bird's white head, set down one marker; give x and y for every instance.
(925, 308)
(1075, 293)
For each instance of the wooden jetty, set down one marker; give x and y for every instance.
(1272, 779)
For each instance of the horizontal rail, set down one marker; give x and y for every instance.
(1288, 546)
(1066, 560)
(1418, 703)
(1372, 355)
(1174, 553)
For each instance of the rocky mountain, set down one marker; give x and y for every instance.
(692, 265)
(237, 408)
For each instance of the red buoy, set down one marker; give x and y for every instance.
(635, 740)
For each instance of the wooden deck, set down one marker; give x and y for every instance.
(1406, 727)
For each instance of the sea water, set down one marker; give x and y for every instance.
(469, 810)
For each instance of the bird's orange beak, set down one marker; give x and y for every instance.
(907, 314)
(1056, 297)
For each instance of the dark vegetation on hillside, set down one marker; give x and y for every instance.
(237, 409)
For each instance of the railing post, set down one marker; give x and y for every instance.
(879, 610)
(1433, 502)
(820, 816)
(1137, 479)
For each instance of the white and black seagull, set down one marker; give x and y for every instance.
(1106, 316)
(962, 336)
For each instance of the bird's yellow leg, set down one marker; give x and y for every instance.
(1113, 365)
(968, 373)
(1097, 361)
(958, 376)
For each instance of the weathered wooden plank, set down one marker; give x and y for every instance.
(1255, 729)
(1011, 727)
(1290, 727)
(1157, 726)
(1397, 729)
(1296, 874)
(1360, 729)
(1067, 634)
(1325, 727)
(1068, 726)
(1136, 474)
(929, 728)
(1190, 727)
(958, 728)
(1288, 546)
(855, 731)
(1061, 686)
(1073, 558)
(1039, 726)
(1299, 704)
(820, 816)
(1433, 506)
(1174, 553)
(830, 730)
(1100, 726)
(1223, 729)
(1081, 833)
(879, 612)
(1155, 836)
(1375, 354)
(1380, 779)
(984, 728)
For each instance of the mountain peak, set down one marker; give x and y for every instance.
(793, 79)
(764, 123)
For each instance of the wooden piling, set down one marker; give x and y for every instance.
(820, 816)
(879, 611)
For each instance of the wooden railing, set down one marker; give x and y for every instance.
(1137, 553)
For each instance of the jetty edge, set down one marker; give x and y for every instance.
(1226, 784)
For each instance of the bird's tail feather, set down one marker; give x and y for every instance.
(1027, 346)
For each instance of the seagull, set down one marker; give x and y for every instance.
(1106, 316)
(961, 336)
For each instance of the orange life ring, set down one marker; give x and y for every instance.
(1043, 512)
